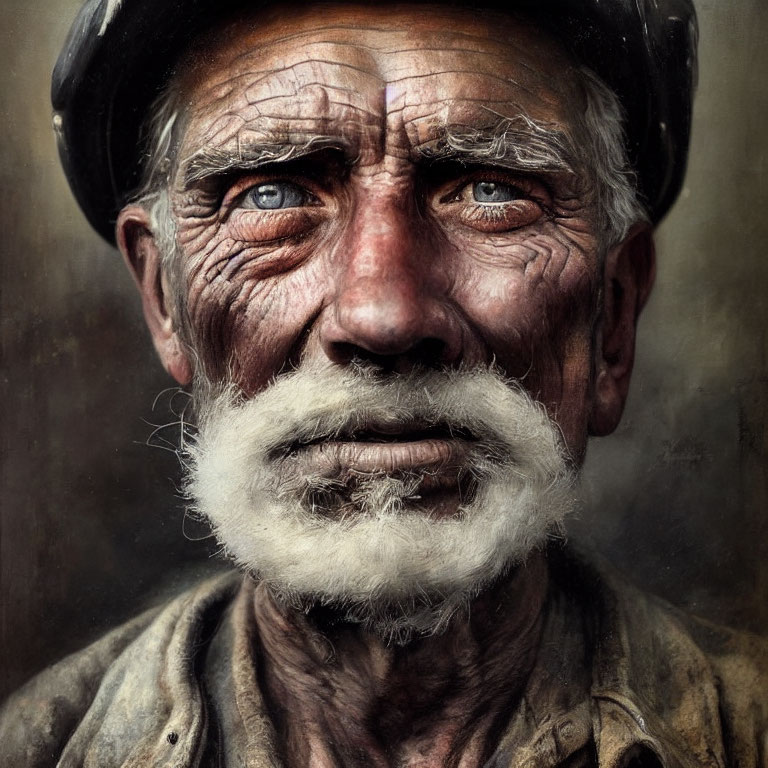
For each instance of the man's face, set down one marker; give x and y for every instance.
(378, 231)
(395, 205)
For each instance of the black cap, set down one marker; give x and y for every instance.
(120, 53)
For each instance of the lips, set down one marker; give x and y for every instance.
(388, 457)
(439, 452)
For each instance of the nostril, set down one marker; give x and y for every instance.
(344, 353)
(430, 353)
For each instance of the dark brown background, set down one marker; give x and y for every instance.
(90, 528)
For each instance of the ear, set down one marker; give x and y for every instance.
(139, 248)
(628, 277)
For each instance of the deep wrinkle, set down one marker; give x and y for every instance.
(365, 172)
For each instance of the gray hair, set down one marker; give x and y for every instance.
(618, 201)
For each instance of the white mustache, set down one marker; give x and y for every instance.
(325, 403)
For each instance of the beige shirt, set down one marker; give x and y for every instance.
(621, 680)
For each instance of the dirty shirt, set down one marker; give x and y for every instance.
(621, 680)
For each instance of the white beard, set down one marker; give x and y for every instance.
(387, 563)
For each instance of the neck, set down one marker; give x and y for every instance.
(341, 697)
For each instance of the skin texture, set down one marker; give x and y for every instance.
(391, 259)
(342, 700)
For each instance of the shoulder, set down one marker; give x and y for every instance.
(736, 662)
(36, 719)
(703, 687)
(128, 669)
(737, 665)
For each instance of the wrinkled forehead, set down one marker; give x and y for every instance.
(293, 71)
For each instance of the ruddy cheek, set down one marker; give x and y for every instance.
(527, 300)
(248, 327)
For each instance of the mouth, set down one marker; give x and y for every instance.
(388, 449)
(437, 455)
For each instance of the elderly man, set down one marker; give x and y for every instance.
(398, 254)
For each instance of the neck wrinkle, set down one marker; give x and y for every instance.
(339, 696)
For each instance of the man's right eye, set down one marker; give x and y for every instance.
(493, 192)
(275, 195)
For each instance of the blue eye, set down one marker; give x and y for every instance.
(491, 192)
(273, 195)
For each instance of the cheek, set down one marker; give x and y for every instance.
(534, 306)
(527, 295)
(249, 299)
(248, 320)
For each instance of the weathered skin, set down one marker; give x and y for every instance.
(342, 700)
(391, 260)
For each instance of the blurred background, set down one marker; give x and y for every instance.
(91, 528)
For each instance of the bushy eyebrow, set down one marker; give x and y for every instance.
(213, 161)
(518, 143)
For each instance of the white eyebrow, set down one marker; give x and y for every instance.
(519, 143)
(208, 162)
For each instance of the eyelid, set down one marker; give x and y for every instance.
(453, 203)
(237, 191)
(533, 188)
(318, 173)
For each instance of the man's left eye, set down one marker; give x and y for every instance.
(493, 192)
(274, 195)
(492, 206)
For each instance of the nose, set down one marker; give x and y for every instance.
(391, 306)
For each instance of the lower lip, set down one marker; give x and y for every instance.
(439, 455)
